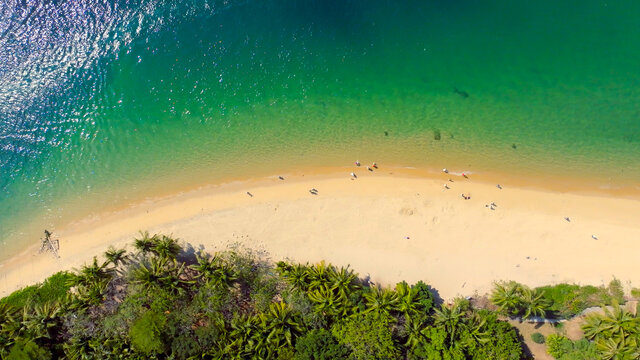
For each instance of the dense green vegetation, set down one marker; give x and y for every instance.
(566, 300)
(559, 301)
(613, 333)
(54, 288)
(168, 301)
(562, 348)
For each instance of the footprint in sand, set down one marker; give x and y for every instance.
(407, 211)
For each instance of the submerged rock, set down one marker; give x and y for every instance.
(462, 93)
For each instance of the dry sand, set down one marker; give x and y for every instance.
(391, 225)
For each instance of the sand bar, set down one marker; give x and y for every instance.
(392, 225)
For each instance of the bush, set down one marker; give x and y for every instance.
(562, 348)
(616, 291)
(28, 350)
(146, 333)
(568, 300)
(503, 340)
(320, 345)
(54, 288)
(367, 335)
(537, 338)
(424, 295)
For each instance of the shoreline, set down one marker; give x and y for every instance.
(457, 246)
(106, 201)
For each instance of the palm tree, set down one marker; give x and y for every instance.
(166, 247)
(615, 323)
(414, 328)
(533, 303)
(90, 275)
(281, 324)
(8, 326)
(243, 330)
(7, 315)
(116, 256)
(162, 273)
(204, 265)
(619, 322)
(92, 294)
(450, 318)
(343, 281)
(145, 243)
(381, 300)
(615, 348)
(475, 324)
(408, 299)
(507, 296)
(150, 273)
(79, 349)
(327, 302)
(318, 275)
(297, 277)
(38, 321)
(213, 271)
(593, 326)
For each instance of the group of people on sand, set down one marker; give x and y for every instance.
(446, 186)
(370, 168)
(467, 196)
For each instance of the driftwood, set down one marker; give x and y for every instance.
(49, 245)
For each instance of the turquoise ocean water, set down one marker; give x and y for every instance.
(107, 102)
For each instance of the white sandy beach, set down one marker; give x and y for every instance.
(391, 226)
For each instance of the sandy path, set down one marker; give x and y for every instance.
(458, 246)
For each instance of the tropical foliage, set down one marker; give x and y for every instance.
(615, 332)
(559, 301)
(519, 300)
(561, 348)
(165, 301)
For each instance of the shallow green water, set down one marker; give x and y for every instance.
(106, 103)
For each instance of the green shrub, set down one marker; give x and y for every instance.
(367, 335)
(562, 348)
(503, 342)
(28, 350)
(567, 300)
(54, 288)
(320, 345)
(537, 338)
(616, 291)
(635, 293)
(234, 315)
(146, 333)
(425, 297)
(300, 303)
